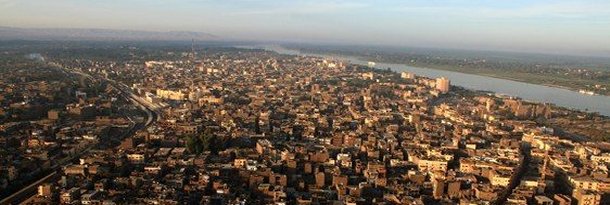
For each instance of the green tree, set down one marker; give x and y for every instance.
(211, 143)
(194, 144)
(204, 142)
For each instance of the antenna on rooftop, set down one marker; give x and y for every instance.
(193, 50)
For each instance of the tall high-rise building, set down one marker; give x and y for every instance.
(442, 84)
(407, 75)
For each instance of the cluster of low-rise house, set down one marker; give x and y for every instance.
(306, 130)
(47, 118)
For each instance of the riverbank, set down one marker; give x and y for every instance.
(500, 76)
(534, 92)
(550, 80)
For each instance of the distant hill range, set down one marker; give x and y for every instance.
(12, 33)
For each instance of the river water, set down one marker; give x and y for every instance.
(531, 92)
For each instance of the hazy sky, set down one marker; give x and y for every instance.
(533, 25)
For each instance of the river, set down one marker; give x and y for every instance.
(531, 92)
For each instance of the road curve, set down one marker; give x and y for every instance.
(151, 114)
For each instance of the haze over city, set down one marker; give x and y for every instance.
(305, 102)
(549, 26)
